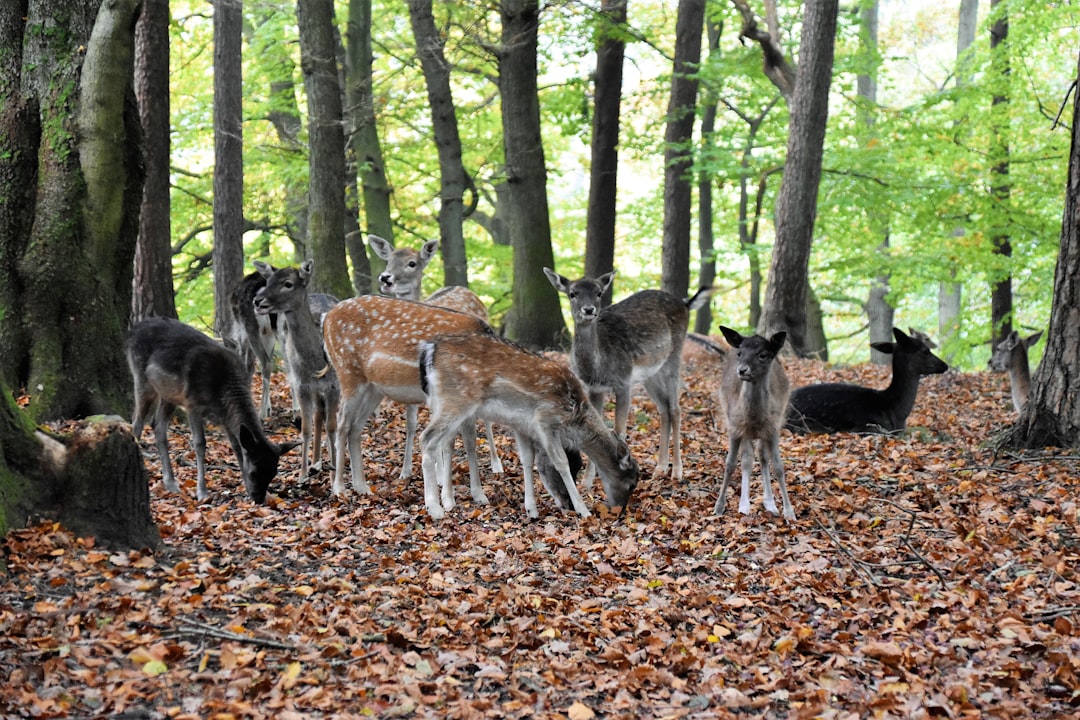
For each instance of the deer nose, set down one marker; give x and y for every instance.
(588, 311)
(386, 279)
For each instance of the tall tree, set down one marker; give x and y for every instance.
(535, 319)
(707, 268)
(153, 288)
(1001, 289)
(326, 154)
(453, 180)
(604, 165)
(796, 204)
(678, 152)
(363, 146)
(1052, 413)
(228, 159)
(70, 190)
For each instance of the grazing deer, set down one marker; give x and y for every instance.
(1011, 354)
(840, 407)
(286, 293)
(175, 365)
(402, 279)
(482, 375)
(638, 339)
(753, 394)
(372, 343)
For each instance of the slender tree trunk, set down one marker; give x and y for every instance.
(604, 168)
(678, 152)
(153, 288)
(363, 143)
(228, 159)
(326, 157)
(706, 245)
(429, 46)
(1001, 289)
(796, 205)
(535, 319)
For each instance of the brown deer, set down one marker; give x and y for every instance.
(174, 365)
(481, 375)
(372, 343)
(1011, 355)
(753, 395)
(638, 339)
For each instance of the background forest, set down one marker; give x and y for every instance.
(911, 187)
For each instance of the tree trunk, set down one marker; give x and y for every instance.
(1001, 288)
(535, 318)
(326, 154)
(796, 205)
(678, 151)
(1052, 413)
(604, 168)
(363, 143)
(228, 160)
(153, 287)
(71, 180)
(706, 245)
(429, 46)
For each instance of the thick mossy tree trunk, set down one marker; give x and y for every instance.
(70, 188)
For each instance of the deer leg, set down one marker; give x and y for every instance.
(306, 416)
(437, 442)
(161, 440)
(410, 433)
(198, 441)
(468, 439)
(729, 469)
(765, 459)
(319, 421)
(352, 417)
(496, 462)
(778, 465)
(597, 400)
(527, 454)
(558, 458)
(747, 469)
(264, 406)
(666, 399)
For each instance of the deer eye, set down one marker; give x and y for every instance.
(572, 294)
(288, 284)
(412, 264)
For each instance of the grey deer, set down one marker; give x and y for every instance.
(842, 407)
(174, 365)
(473, 375)
(753, 395)
(403, 279)
(1011, 355)
(638, 339)
(314, 384)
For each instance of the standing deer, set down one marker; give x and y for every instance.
(481, 375)
(840, 407)
(1011, 354)
(286, 293)
(174, 365)
(753, 394)
(402, 279)
(638, 339)
(372, 343)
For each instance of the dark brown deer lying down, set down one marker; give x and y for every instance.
(840, 407)
(174, 365)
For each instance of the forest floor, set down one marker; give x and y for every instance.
(926, 575)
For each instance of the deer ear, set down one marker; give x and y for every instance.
(306, 270)
(264, 269)
(777, 341)
(380, 245)
(605, 280)
(557, 281)
(286, 447)
(899, 335)
(428, 250)
(1030, 340)
(734, 339)
(886, 347)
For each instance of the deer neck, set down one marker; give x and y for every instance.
(900, 395)
(1019, 377)
(588, 362)
(303, 337)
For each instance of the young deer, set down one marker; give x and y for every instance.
(372, 343)
(174, 365)
(840, 407)
(753, 394)
(1011, 354)
(638, 339)
(286, 293)
(402, 279)
(481, 375)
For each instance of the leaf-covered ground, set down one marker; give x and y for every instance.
(925, 576)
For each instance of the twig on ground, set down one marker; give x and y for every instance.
(855, 562)
(194, 627)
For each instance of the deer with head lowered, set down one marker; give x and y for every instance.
(638, 339)
(481, 375)
(842, 407)
(286, 293)
(1011, 355)
(174, 365)
(402, 279)
(753, 394)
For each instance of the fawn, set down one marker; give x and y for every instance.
(1011, 354)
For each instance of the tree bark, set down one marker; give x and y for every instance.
(604, 167)
(153, 287)
(326, 153)
(796, 205)
(71, 161)
(1001, 289)
(429, 46)
(1052, 413)
(706, 244)
(228, 255)
(678, 151)
(535, 318)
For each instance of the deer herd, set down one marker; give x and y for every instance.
(343, 358)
